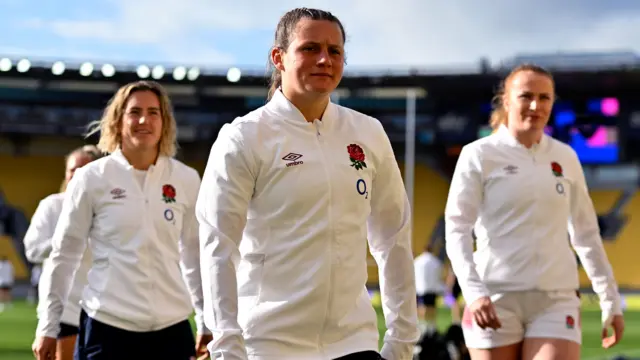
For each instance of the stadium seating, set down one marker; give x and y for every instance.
(24, 190)
(27, 180)
(430, 197)
(8, 249)
(624, 248)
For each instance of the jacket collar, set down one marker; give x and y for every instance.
(280, 106)
(506, 138)
(118, 156)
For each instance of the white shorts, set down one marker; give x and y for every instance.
(527, 314)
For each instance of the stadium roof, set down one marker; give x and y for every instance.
(560, 61)
(566, 61)
(574, 71)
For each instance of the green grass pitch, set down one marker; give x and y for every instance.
(18, 323)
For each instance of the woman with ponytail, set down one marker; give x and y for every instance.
(290, 197)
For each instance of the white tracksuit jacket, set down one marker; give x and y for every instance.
(37, 244)
(142, 232)
(285, 209)
(522, 204)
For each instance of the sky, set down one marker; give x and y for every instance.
(381, 34)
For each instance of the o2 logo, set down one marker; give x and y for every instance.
(361, 188)
(169, 216)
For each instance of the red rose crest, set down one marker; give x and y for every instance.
(556, 169)
(356, 155)
(168, 193)
(571, 323)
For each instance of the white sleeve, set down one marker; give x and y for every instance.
(37, 240)
(68, 246)
(586, 241)
(461, 212)
(389, 234)
(227, 187)
(190, 252)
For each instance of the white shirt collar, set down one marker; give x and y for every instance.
(280, 105)
(507, 138)
(118, 156)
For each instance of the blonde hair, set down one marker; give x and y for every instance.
(110, 124)
(499, 114)
(90, 151)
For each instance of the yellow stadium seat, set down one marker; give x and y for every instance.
(7, 249)
(430, 197)
(24, 191)
(30, 180)
(622, 251)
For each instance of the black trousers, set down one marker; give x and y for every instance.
(99, 341)
(363, 355)
(67, 330)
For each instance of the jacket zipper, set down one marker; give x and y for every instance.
(537, 217)
(148, 251)
(319, 142)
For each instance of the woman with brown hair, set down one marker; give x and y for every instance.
(522, 192)
(37, 243)
(290, 197)
(136, 207)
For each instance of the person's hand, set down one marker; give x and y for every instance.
(484, 313)
(617, 323)
(202, 340)
(44, 348)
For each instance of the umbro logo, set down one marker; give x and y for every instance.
(293, 158)
(118, 193)
(511, 169)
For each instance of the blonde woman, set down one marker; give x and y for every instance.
(136, 206)
(521, 191)
(37, 243)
